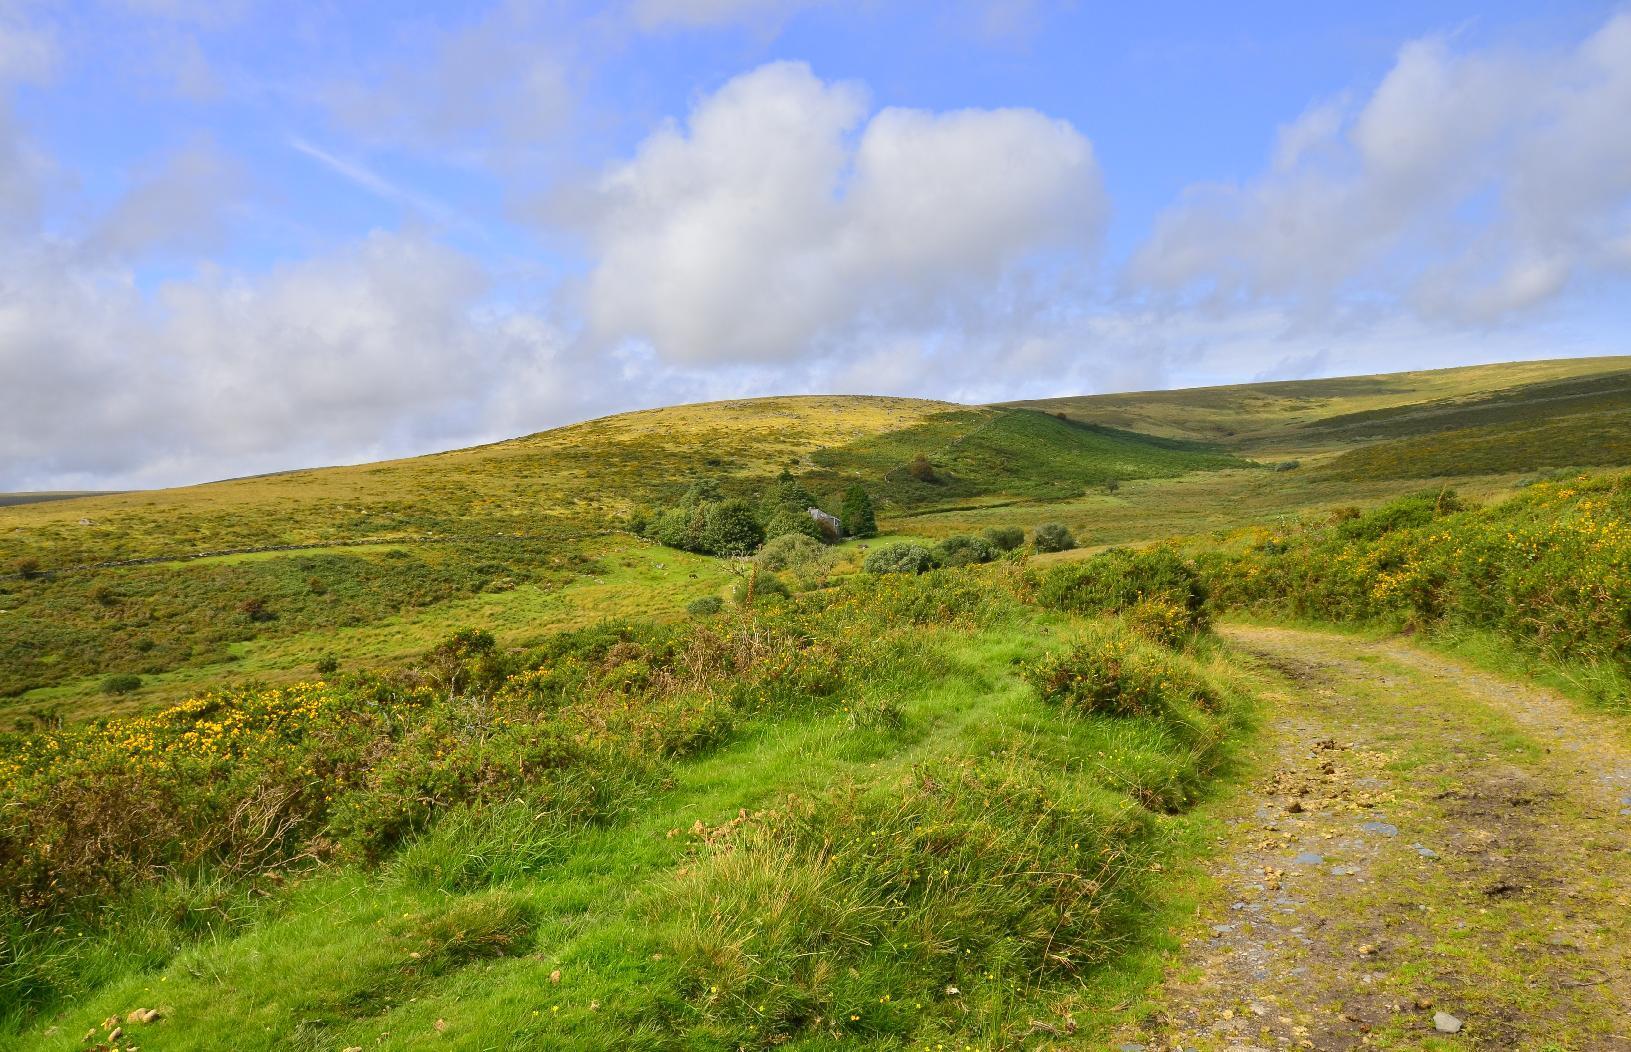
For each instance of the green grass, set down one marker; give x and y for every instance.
(1586, 439)
(940, 747)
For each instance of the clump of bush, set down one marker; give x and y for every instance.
(706, 521)
(1004, 538)
(806, 559)
(1121, 579)
(905, 557)
(963, 550)
(704, 606)
(920, 468)
(752, 587)
(124, 683)
(327, 665)
(1052, 537)
(1549, 569)
(1114, 673)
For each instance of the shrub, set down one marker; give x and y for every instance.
(962, 551)
(704, 606)
(27, 567)
(1402, 513)
(1161, 620)
(857, 513)
(1004, 538)
(920, 469)
(124, 683)
(755, 586)
(327, 665)
(1287, 465)
(807, 560)
(256, 610)
(1546, 570)
(1052, 537)
(1120, 579)
(1112, 673)
(899, 558)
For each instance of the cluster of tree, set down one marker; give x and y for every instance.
(705, 520)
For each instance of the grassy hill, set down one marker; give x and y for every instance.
(436, 752)
(1299, 416)
(516, 537)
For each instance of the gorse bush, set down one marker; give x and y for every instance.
(1115, 672)
(1549, 569)
(1120, 579)
(1052, 537)
(753, 587)
(905, 557)
(704, 606)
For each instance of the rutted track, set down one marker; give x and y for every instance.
(1432, 857)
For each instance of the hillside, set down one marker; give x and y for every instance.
(445, 752)
(1293, 416)
(526, 535)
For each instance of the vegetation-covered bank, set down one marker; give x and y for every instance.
(1548, 571)
(898, 809)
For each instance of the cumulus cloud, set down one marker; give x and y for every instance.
(1468, 185)
(381, 348)
(780, 220)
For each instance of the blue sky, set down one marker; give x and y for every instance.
(238, 236)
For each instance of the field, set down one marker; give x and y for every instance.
(443, 752)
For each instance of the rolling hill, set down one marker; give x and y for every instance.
(440, 752)
(265, 576)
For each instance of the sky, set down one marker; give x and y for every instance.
(241, 236)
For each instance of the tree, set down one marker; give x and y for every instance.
(730, 528)
(786, 521)
(787, 493)
(857, 514)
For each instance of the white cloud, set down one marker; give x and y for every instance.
(766, 229)
(382, 348)
(28, 49)
(497, 86)
(657, 14)
(1468, 185)
(179, 205)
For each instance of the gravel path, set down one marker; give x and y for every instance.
(1432, 858)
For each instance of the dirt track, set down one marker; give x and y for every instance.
(1426, 847)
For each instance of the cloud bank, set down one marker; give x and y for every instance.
(787, 233)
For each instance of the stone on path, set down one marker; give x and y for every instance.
(1445, 1023)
